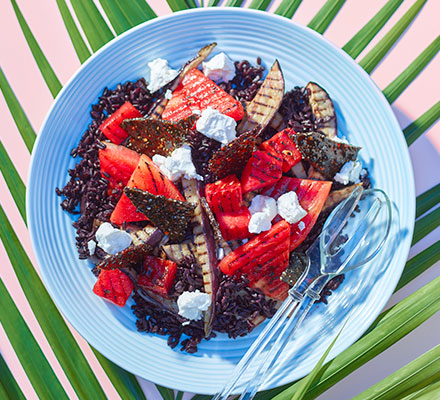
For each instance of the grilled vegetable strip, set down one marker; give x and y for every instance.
(204, 52)
(266, 102)
(149, 235)
(323, 110)
(205, 249)
(178, 252)
(335, 197)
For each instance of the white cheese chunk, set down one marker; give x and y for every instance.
(192, 304)
(263, 210)
(168, 94)
(301, 226)
(349, 172)
(91, 246)
(178, 164)
(289, 208)
(217, 126)
(219, 68)
(160, 74)
(112, 240)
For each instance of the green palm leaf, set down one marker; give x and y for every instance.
(325, 15)
(138, 11)
(378, 52)
(260, 4)
(93, 24)
(13, 181)
(287, 8)
(413, 131)
(213, 3)
(398, 85)
(419, 264)
(66, 349)
(191, 4)
(33, 360)
(116, 15)
(400, 320)
(427, 200)
(9, 388)
(422, 371)
(234, 3)
(428, 392)
(177, 5)
(78, 43)
(20, 119)
(166, 393)
(426, 225)
(359, 41)
(49, 76)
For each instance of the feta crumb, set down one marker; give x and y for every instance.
(91, 246)
(220, 253)
(112, 240)
(349, 173)
(168, 94)
(263, 210)
(160, 74)
(178, 164)
(289, 208)
(301, 225)
(219, 68)
(217, 126)
(192, 304)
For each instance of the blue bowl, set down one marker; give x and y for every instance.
(364, 117)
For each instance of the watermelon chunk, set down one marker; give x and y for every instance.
(263, 169)
(111, 128)
(234, 224)
(147, 177)
(285, 147)
(113, 285)
(158, 275)
(197, 92)
(224, 195)
(117, 164)
(311, 196)
(262, 260)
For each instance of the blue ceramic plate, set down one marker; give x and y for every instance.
(364, 117)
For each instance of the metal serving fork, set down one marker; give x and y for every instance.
(352, 235)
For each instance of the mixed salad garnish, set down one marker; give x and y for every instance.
(197, 190)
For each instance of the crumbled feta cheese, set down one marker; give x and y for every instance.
(192, 304)
(289, 208)
(301, 225)
(220, 253)
(168, 94)
(160, 74)
(263, 210)
(217, 126)
(112, 240)
(219, 68)
(178, 164)
(91, 246)
(349, 173)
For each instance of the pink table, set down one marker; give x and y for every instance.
(24, 77)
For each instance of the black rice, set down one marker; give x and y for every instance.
(86, 191)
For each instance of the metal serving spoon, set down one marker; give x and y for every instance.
(352, 235)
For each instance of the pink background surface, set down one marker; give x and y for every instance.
(24, 77)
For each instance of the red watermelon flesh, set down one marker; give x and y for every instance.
(113, 285)
(234, 224)
(158, 275)
(311, 196)
(282, 144)
(147, 177)
(197, 92)
(263, 169)
(224, 195)
(262, 260)
(111, 128)
(117, 164)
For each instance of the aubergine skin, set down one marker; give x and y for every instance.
(205, 248)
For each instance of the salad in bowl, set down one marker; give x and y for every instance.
(196, 187)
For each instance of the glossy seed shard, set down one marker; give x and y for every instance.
(170, 216)
(157, 136)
